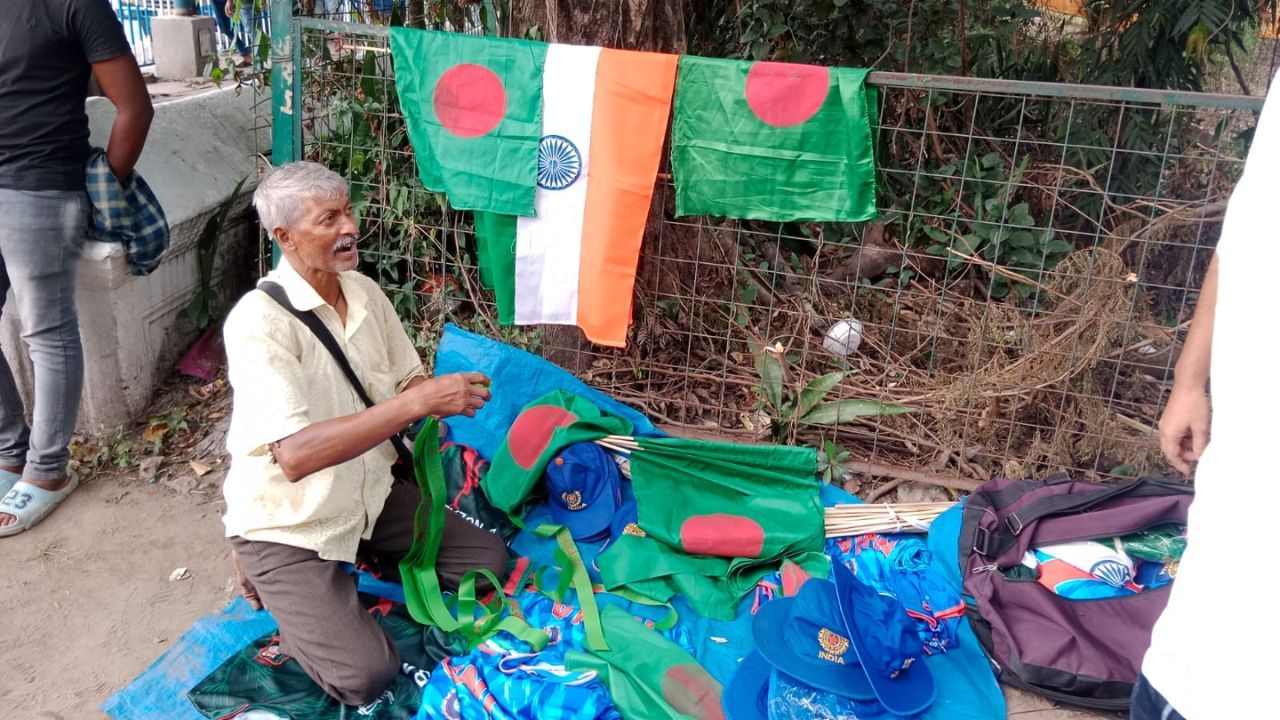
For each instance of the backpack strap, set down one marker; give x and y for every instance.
(316, 325)
(994, 541)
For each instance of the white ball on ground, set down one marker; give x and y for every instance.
(844, 338)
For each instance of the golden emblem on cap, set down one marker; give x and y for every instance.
(834, 646)
(572, 499)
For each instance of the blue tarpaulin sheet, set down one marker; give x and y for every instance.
(519, 378)
(160, 692)
(967, 688)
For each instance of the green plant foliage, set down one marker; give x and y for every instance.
(203, 309)
(789, 406)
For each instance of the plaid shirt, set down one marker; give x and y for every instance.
(128, 214)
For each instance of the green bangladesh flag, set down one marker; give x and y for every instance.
(543, 428)
(773, 141)
(648, 676)
(713, 518)
(474, 109)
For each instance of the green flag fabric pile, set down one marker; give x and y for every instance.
(648, 676)
(543, 428)
(772, 141)
(713, 518)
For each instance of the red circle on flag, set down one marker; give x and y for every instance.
(690, 689)
(722, 535)
(786, 94)
(531, 432)
(469, 100)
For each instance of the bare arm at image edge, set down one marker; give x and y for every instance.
(123, 85)
(1184, 425)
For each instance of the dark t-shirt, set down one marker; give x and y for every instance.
(46, 48)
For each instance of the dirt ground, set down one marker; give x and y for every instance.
(88, 595)
(88, 598)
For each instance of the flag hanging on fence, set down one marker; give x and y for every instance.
(473, 106)
(604, 119)
(773, 141)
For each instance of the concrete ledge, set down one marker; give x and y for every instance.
(132, 329)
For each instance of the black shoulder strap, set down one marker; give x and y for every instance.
(316, 325)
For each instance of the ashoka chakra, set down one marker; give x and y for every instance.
(559, 163)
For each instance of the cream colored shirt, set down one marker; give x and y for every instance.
(284, 380)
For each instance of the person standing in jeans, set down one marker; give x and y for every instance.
(48, 49)
(247, 37)
(222, 16)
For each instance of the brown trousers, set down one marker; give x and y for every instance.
(322, 624)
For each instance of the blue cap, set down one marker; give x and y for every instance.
(886, 644)
(746, 697)
(584, 486)
(805, 637)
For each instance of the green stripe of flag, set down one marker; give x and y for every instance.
(496, 256)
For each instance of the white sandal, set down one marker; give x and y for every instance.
(30, 504)
(7, 481)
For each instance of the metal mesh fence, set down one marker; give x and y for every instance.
(1023, 292)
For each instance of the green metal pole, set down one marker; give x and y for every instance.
(284, 120)
(282, 82)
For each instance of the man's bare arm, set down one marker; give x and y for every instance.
(122, 83)
(335, 441)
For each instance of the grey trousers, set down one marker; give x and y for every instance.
(322, 624)
(41, 237)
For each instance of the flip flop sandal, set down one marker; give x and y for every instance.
(30, 504)
(7, 481)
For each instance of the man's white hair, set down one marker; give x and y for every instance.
(281, 195)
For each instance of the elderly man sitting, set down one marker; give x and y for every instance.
(311, 483)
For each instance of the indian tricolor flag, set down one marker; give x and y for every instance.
(604, 118)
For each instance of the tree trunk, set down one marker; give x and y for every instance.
(656, 25)
(653, 25)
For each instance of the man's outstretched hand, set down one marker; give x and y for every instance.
(448, 395)
(1184, 426)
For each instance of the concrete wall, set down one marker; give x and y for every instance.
(132, 327)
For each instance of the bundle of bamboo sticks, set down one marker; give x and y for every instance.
(841, 520)
(623, 444)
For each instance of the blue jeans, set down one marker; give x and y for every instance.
(224, 26)
(41, 236)
(1148, 704)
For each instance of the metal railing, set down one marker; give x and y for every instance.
(136, 17)
(1025, 290)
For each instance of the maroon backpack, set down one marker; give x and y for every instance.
(1081, 652)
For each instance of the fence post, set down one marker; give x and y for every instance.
(283, 74)
(283, 92)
